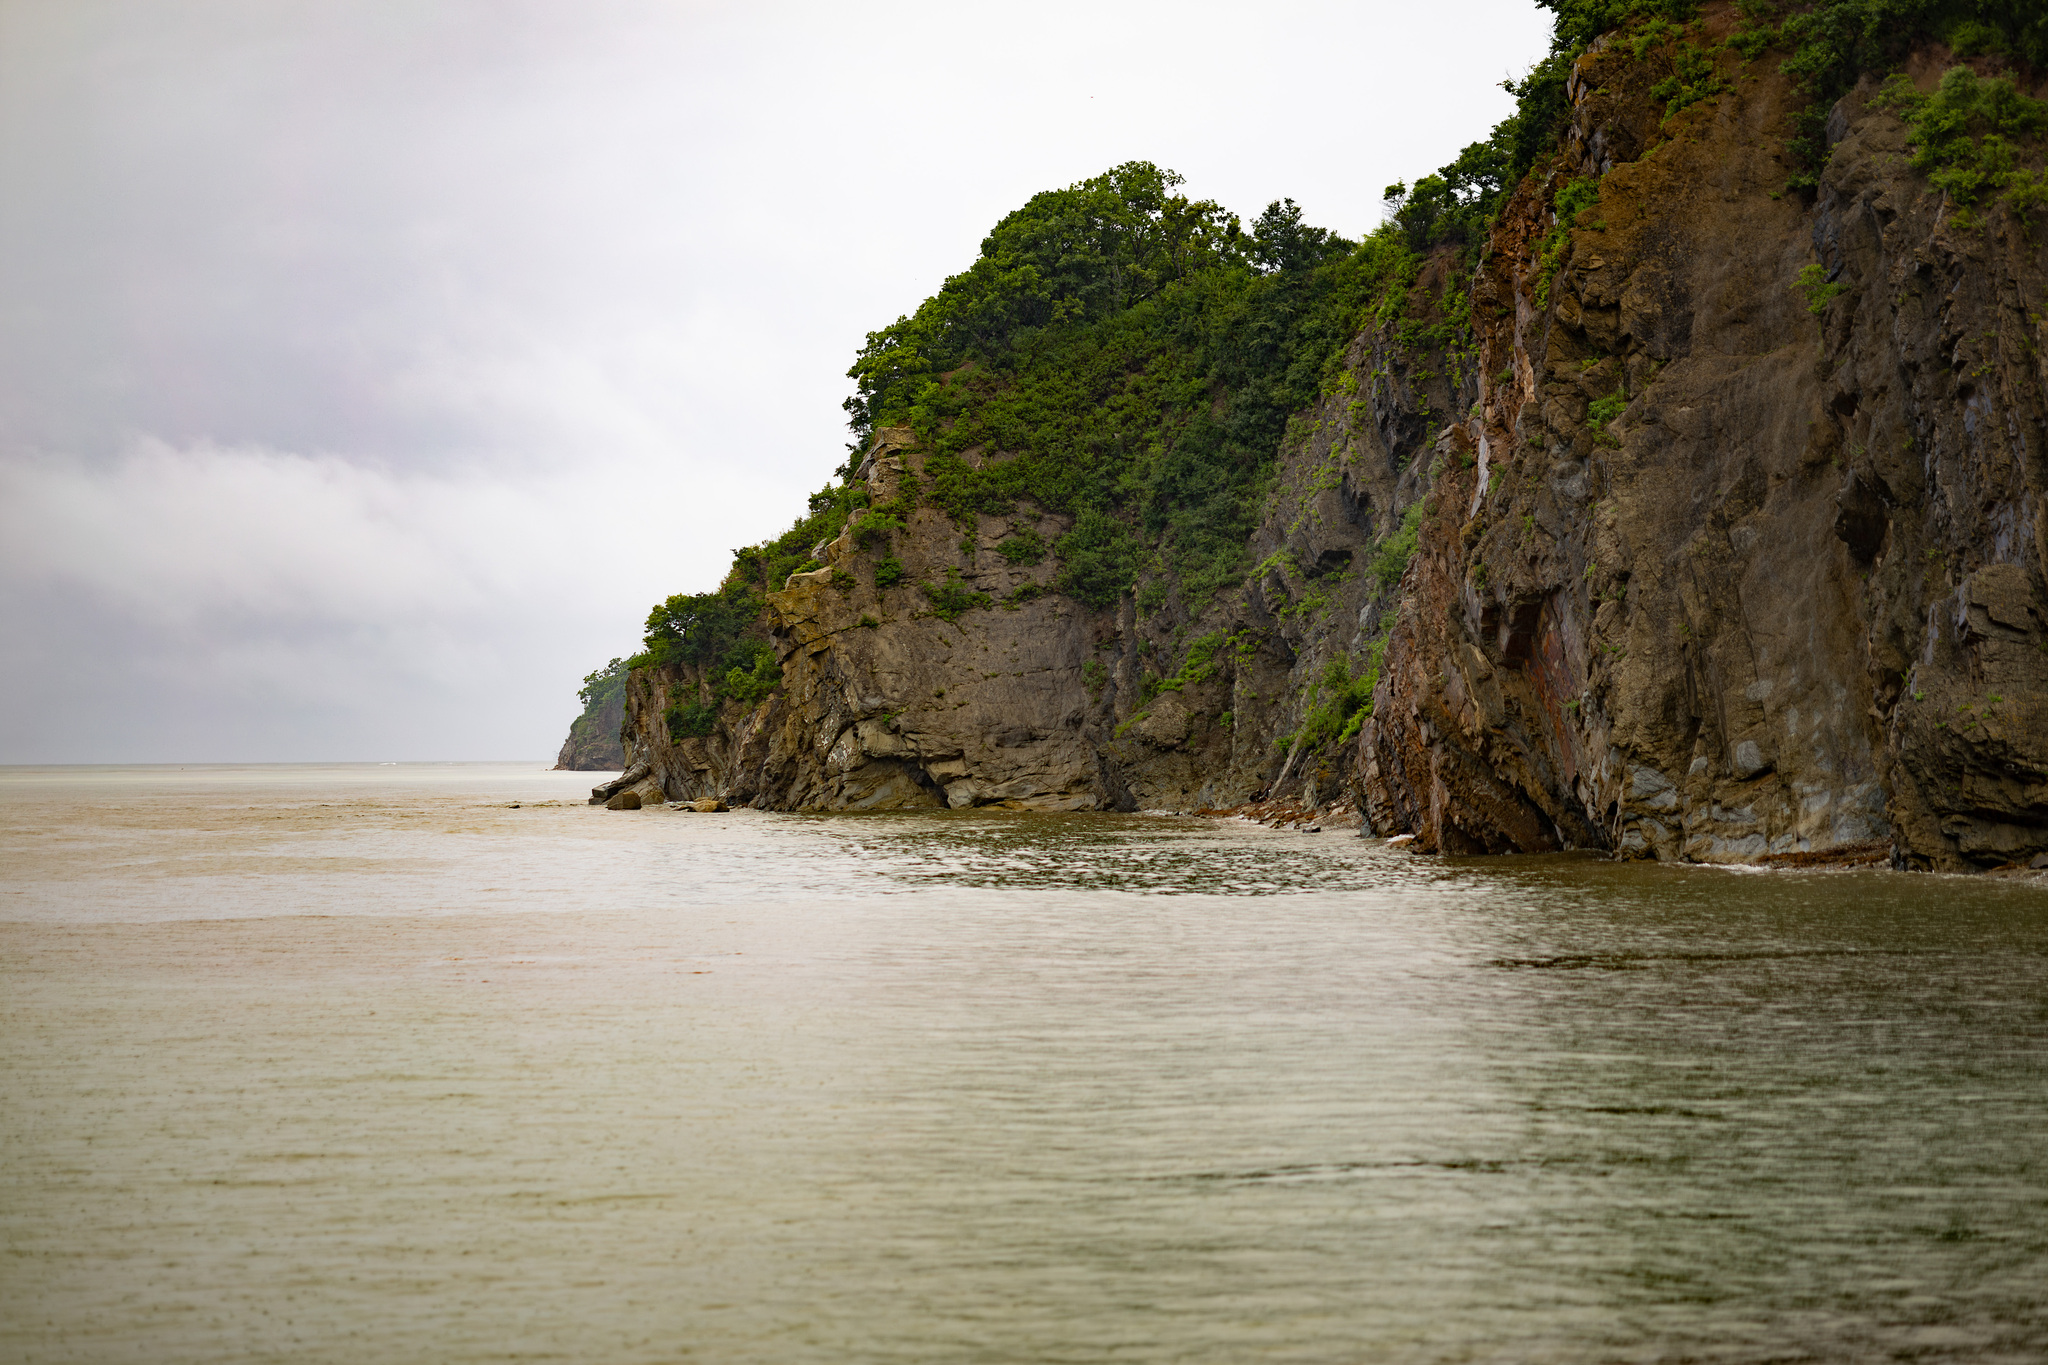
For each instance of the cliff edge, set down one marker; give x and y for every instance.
(1665, 477)
(1747, 569)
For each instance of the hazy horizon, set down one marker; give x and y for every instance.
(371, 369)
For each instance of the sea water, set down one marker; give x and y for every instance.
(370, 1064)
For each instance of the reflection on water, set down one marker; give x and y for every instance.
(343, 1065)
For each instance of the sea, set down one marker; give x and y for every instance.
(439, 1063)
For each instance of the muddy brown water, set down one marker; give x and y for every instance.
(360, 1064)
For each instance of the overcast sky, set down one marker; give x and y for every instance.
(369, 368)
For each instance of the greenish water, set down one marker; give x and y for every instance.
(362, 1065)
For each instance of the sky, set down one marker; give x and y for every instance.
(369, 368)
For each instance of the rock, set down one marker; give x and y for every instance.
(627, 800)
(1698, 574)
(1769, 592)
(1165, 724)
(604, 791)
(709, 805)
(594, 743)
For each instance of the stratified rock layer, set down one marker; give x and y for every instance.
(1789, 603)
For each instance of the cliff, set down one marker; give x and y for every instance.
(1021, 696)
(1690, 507)
(595, 743)
(1781, 595)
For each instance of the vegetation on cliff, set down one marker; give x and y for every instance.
(593, 743)
(1128, 357)
(1133, 360)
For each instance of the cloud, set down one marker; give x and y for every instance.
(368, 368)
(253, 591)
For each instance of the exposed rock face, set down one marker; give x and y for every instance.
(593, 745)
(638, 782)
(1790, 602)
(1702, 574)
(1035, 701)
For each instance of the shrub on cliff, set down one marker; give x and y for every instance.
(1340, 702)
(1968, 135)
(1070, 256)
(1153, 419)
(1833, 43)
(1390, 559)
(698, 628)
(751, 673)
(602, 687)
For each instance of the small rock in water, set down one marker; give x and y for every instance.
(710, 805)
(624, 801)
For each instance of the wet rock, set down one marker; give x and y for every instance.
(627, 800)
(604, 791)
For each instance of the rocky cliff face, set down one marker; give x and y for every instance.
(1702, 573)
(1030, 700)
(593, 744)
(1788, 601)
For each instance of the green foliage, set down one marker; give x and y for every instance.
(1831, 44)
(1165, 419)
(1281, 241)
(1341, 700)
(745, 673)
(1834, 42)
(1093, 677)
(1100, 558)
(690, 720)
(951, 597)
(1141, 377)
(1071, 256)
(1456, 205)
(1812, 282)
(602, 686)
(875, 528)
(749, 680)
(888, 572)
(710, 631)
(1579, 22)
(1604, 412)
(1206, 654)
(766, 567)
(1022, 547)
(1968, 136)
(1572, 198)
(698, 628)
(1692, 79)
(1390, 560)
